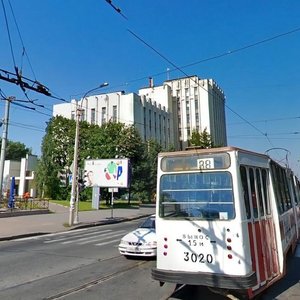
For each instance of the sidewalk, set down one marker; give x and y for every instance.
(58, 220)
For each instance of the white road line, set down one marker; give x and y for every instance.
(105, 243)
(101, 238)
(74, 236)
(52, 234)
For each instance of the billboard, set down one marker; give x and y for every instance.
(106, 172)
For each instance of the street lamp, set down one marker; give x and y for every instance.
(75, 160)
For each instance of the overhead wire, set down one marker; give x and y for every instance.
(21, 39)
(191, 77)
(26, 126)
(266, 120)
(216, 57)
(19, 71)
(179, 69)
(229, 52)
(8, 33)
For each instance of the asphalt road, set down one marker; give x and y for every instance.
(85, 264)
(81, 264)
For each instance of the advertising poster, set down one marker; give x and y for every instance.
(106, 173)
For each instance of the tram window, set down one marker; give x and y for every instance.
(287, 191)
(298, 191)
(265, 191)
(253, 193)
(285, 197)
(245, 190)
(197, 195)
(259, 192)
(293, 188)
(277, 186)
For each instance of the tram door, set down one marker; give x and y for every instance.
(260, 223)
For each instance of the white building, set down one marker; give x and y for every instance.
(24, 173)
(167, 113)
(195, 104)
(151, 119)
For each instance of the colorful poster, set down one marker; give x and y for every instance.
(106, 172)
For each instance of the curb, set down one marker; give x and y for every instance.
(9, 214)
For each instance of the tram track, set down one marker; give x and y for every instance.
(94, 282)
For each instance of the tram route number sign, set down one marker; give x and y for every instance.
(205, 163)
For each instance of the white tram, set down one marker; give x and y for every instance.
(225, 218)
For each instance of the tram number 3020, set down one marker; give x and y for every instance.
(201, 258)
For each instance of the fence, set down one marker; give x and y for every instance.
(23, 204)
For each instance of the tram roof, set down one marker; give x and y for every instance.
(199, 150)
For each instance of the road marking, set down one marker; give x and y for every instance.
(101, 238)
(109, 242)
(51, 234)
(74, 236)
(86, 238)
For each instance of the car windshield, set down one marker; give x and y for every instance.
(148, 223)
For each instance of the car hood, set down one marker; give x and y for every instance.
(142, 235)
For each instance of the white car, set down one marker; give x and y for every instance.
(140, 242)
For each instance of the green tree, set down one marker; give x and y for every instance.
(111, 140)
(195, 138)
(57, 154)
(15, 150)
(201, 139)
(108, 141)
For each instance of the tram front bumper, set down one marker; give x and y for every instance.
(206, 279)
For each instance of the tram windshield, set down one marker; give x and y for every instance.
(198, 195)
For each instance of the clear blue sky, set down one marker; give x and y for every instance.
(74, 45)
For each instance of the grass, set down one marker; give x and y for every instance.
(87, 205)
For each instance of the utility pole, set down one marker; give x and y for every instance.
(4, 141)
(75, 169)
(72, 216)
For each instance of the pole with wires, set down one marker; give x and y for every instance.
(4, 142)
(74, 197)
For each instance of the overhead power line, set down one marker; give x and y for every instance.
(179, 69)
(117, 9)
(17, 77)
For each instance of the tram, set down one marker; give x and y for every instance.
(226, 218)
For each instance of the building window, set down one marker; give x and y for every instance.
(93, 116)
(196, 105)
(73, 115)
(187, 107)
(195, 92)
(114, 116)
(180, 133)
(150, 120)
(159, 124)
(103, 115)
(187, 93)
(188, 132)
(155, 123)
